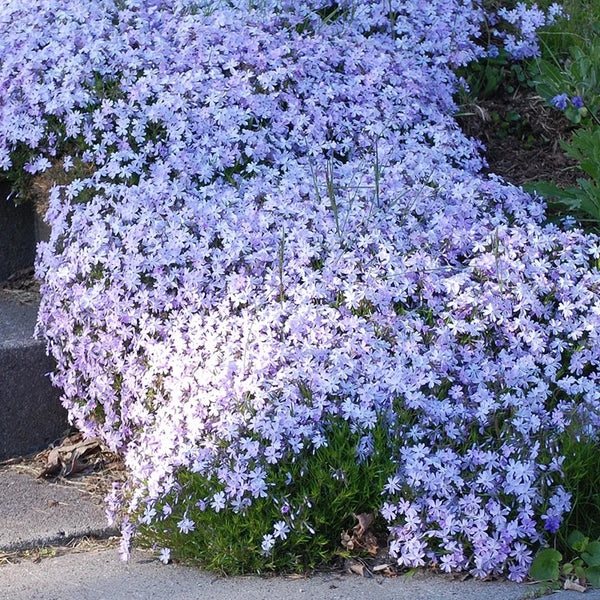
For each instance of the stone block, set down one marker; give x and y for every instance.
(17, 234)
(31, 415)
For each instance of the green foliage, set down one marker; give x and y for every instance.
(576, 77)
(577, 556)
(491, 76)
(581, 476)
(546, 565)
(582, 200)
(316, 493)
(584, 567)
(582, 25)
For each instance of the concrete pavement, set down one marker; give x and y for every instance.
(101, 576)
(36, 513)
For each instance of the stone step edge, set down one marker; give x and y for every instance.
(60, 539)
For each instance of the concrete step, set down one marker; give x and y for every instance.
(17, 234)
(31, 415)
(35, 512)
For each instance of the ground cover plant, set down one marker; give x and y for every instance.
(572, 85)
(527, 140)
(277, 276)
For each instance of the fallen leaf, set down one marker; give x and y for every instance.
(361, 538)
(571, 584)
(365, 520)
(71, 457)
(358, 568)
(53, 464)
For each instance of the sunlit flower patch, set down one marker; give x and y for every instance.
(273, 222)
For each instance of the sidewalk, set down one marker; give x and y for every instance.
(38, 514)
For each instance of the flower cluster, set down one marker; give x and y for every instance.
(561, 101)
(525, 21)
(280, 223)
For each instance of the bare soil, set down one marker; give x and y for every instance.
(522, 138)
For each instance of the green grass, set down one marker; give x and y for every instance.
(582, 478)
(582, 25)
(317, 491)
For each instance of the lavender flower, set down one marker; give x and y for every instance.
(165, 555)
(293, 228)
(186, 525)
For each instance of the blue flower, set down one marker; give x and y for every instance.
(493, 51)
(577, 102)
(552, 523)
(560, 101)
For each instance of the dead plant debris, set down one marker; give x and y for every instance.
(522, 136)
(74, 460)
(22, 286)
(80, 545)
(371, 551)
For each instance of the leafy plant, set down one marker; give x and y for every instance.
(492, 75)
(310, 501)
(581, 476)
(583, 199)
(573, 86)
(580, 27)
(210, 322)
(583, 568)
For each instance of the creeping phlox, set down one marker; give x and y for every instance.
(273, 220)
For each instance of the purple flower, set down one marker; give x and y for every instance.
(259, 241)
(267, 544)
(577, 102)
(186, 525)
(551, 523)
(281, 530)
(559, 101)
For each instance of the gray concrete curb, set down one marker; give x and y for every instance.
(99, 575)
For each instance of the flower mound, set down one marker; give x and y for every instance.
(273, 222)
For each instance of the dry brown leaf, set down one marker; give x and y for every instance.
(361, 538)
(71, 456)
(370, 544)
(53, 464)
(571, 584)
(365, 520)
(358, 568)
(347, 541)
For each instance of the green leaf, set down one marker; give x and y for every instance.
(592, 554)
(546, 189)
(545, 565)
(577, 540)
(592, 574)
(580, 571)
